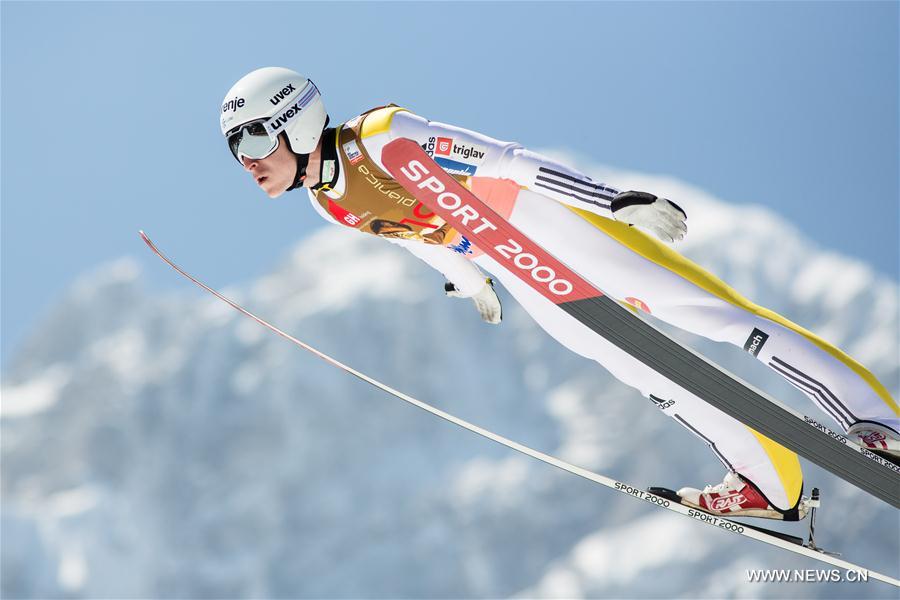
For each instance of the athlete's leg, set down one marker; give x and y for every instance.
(625, 263)
(773, 469)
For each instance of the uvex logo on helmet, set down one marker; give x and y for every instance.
(284, 93)
(282, 119)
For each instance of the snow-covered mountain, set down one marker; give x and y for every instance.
(162, 445)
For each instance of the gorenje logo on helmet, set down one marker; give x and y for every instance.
(280, 119)
(233, 104)
(284, 93)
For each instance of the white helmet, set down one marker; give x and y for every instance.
(266, 102)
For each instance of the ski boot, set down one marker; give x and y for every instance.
(881, 440)
(737, 497)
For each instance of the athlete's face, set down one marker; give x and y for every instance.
(274, 173)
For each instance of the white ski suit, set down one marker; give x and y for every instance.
(568, 214)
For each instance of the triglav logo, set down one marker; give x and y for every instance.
(444, 145)
(468, 152)
(233, 104)
(284, 93)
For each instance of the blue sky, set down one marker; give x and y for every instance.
(110, 115)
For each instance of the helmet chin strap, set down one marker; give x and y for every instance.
(302, 161)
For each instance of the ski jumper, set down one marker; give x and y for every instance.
(569, 215)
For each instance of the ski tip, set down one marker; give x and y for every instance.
(148, 241)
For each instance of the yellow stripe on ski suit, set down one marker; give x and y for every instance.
(667, 258)
(379, 121)
(786, 463)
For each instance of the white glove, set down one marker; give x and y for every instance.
(662, 217)
(486, 301)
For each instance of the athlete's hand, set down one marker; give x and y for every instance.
(662, 217)
(486, 301)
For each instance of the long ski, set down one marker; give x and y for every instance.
(777, 539)
(408, 163)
